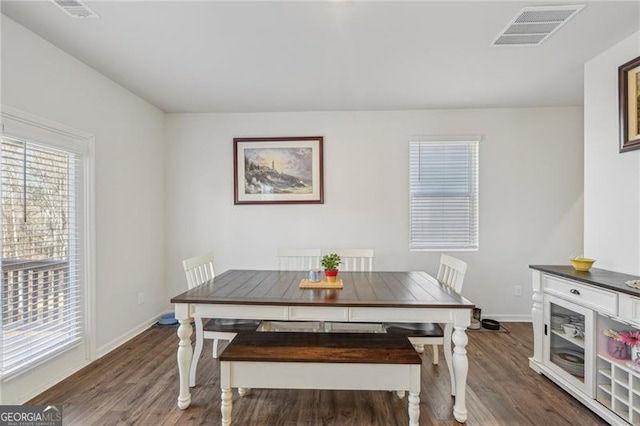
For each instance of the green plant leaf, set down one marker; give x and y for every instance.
(331, 261)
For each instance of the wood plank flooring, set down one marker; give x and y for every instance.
(137, 384)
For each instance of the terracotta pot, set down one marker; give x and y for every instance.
(331, 275)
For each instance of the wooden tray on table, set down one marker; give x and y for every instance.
(305, 283)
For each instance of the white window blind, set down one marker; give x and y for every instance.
(444, 195)
(42, 253)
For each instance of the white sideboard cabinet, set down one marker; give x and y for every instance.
(570, 311)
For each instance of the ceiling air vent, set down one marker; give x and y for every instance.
(533, 25)
(75, 8)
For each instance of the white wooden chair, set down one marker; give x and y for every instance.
(298, 259)
(198, 270)
(358, 260)
(355, 259)
(295, 260)
(450, 273)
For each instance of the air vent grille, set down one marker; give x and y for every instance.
(545, 15)
(533, 25)
(75, 9)
(518, 29)
(519, 40)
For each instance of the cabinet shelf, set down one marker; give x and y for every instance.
(621, 364)
(622, 413)
(606, 388)
(606, 403)
(606, 372)
(618, 387)
(622, 397)
(578, 341)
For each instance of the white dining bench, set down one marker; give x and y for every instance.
(337, 361)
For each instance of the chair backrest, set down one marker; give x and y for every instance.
(451, 272)
(298, 259)
(355, 259)
(198, 269)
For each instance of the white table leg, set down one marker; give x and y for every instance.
(185, 353)
(448, 331)
(460, 369)
(414, 408)
(226, 406)
(197, 351)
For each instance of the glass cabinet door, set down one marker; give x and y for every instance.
(568, 342)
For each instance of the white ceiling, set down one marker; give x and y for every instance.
(212, 56)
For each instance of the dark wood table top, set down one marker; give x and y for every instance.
(596, 277)
(361, 289)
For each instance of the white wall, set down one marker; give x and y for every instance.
(612, 179)
(40, 79)
(531, 205)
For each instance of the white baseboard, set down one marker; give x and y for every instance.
(25, 387)
(124, 338)
(508, 317)
(43, 386)
(20, 389)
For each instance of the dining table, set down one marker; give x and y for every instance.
(365, 297)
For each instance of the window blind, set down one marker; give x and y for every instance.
(444, 195)
(42, 254)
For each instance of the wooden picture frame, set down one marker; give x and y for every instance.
(278, 170)
(629, 104)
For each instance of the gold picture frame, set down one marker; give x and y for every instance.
(629, 105)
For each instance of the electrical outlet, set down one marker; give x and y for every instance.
(140, 298)
(518, 290)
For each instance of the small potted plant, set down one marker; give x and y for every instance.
(330, 262)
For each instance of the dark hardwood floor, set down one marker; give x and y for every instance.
(137, 384)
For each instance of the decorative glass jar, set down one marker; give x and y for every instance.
(617, 349)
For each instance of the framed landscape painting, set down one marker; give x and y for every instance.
(629, 108)
(278, 170)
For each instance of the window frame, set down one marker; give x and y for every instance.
(38, 131)
(474, 140)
